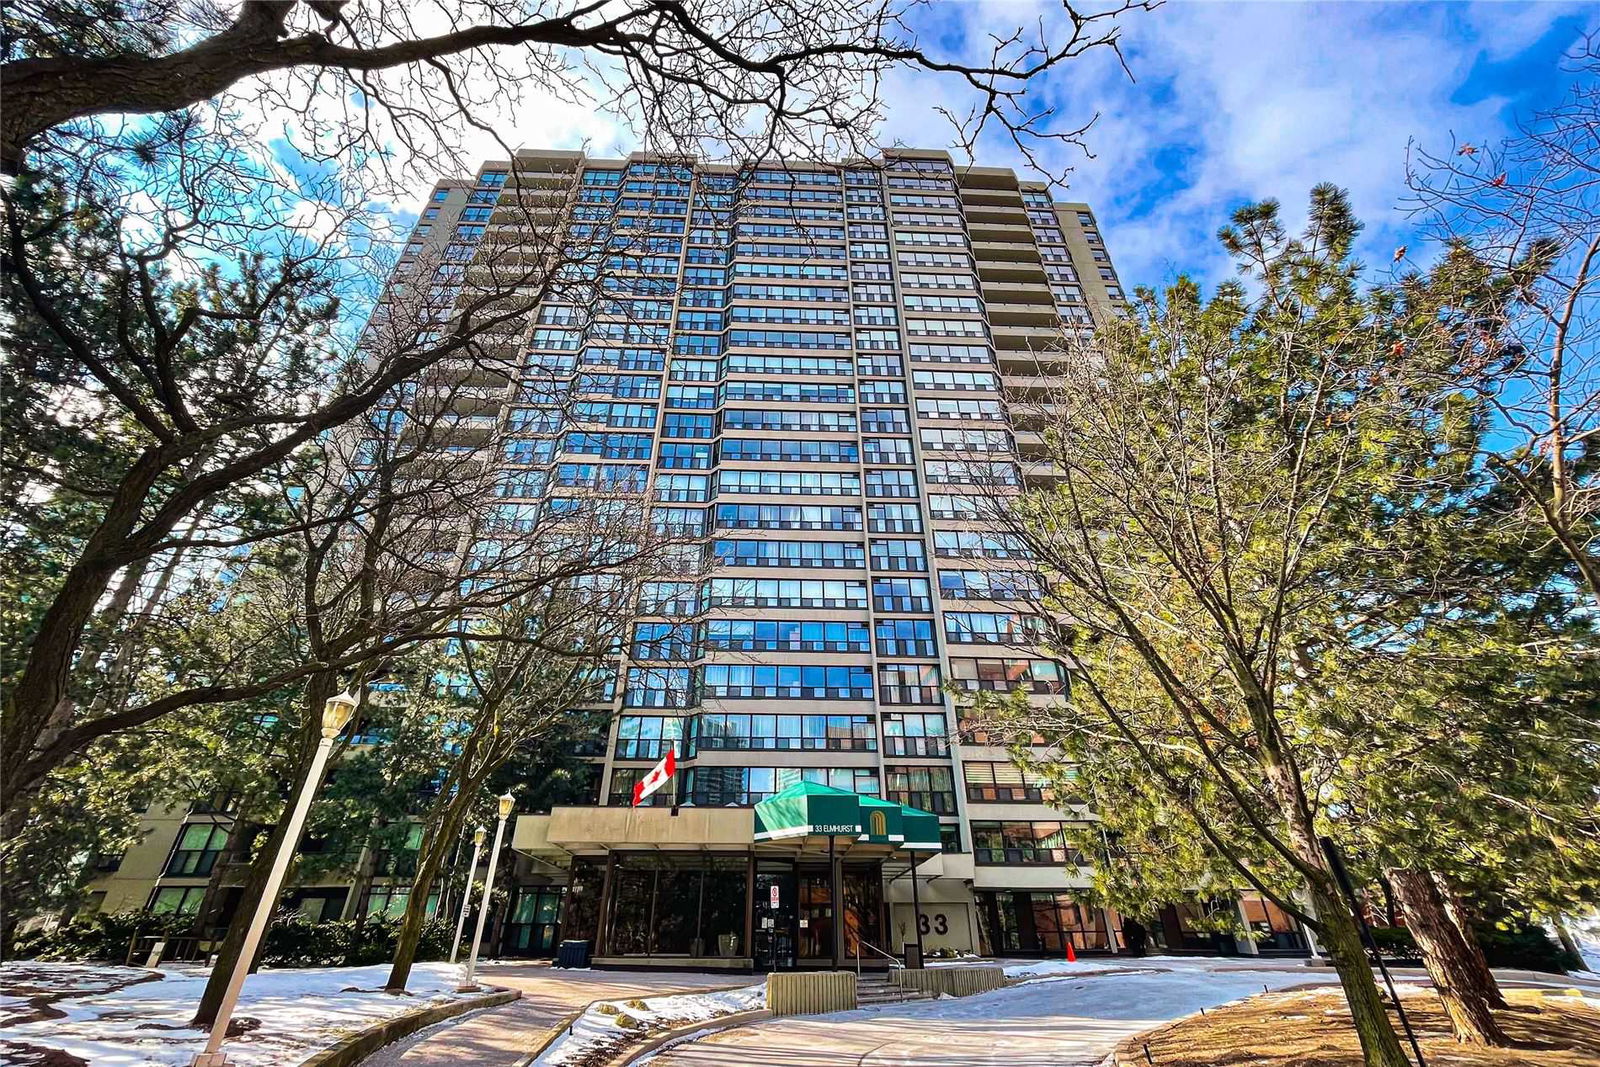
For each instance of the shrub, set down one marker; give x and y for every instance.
(1525, 947)
(1395, 942)
(101, 936)
(292, 940)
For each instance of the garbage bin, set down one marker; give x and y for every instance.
(572, 954)
(913, 956)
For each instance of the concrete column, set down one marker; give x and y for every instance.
(749, 946)
(836, 892)
(1247, 945)
(1112, 941)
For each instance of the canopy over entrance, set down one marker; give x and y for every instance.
(809, 809)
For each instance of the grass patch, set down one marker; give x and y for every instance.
(1312, 1029)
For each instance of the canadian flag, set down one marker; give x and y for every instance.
(656, 778)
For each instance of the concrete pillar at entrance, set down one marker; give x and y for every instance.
(749, 946)
(836, 895)
(1111, 931)
(1247, 945)
(1311, 938)
(603, 922)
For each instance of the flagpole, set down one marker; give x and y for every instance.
(677, 749)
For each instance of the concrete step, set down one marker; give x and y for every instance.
(877, 989)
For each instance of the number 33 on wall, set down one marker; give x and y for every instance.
(940, 924)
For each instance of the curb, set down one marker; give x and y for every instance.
(634, 1053)
(555, 1033)
(357, 1047)
(559, 1030)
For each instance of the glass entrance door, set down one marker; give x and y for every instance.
(774, 948)
(816, 915)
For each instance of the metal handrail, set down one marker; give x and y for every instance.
(894, 961)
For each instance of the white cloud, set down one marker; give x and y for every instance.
(1242, 101)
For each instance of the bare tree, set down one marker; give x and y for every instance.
(740, 78)
(1522, 218)
(218, 390)
(408, 534)
(519, 677)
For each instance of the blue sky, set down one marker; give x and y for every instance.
(1234, 102)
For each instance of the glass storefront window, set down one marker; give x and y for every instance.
(667, 905)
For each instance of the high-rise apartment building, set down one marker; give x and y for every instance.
(804, 366)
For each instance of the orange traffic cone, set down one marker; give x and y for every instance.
(1072, 957)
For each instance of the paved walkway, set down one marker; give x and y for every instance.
(1061, 1021)
(1064, 1020)
(502, 1037)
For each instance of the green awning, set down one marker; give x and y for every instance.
(808, 809)
(881, 821)
(921, 829)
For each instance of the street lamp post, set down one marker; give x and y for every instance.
(467, 983)
(466, 892)
(336, 714)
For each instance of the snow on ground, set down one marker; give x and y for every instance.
(1029, 970)
(299, 1010)
(611, 1023)
(1071, 1016)
(1149, 991)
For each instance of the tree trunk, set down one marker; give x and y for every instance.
(1568, 942)
(1462, 918)
(318, 690)
(1449, 961)
(208, 915)
(40, 702)
(1340, 935)
(428, 865)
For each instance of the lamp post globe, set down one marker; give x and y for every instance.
(338, 711)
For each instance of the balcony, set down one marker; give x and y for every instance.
(1004, 210)
(1011, 271)
(974, 179)
(1040, 314)
(1008, 249)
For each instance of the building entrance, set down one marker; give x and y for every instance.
(795, 914)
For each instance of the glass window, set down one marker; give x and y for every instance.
(196, 850)
(1023, 844)
(909, 733)
(927, 788)
(176, 900)
(659, 687)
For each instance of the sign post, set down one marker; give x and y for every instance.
(916, 907)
